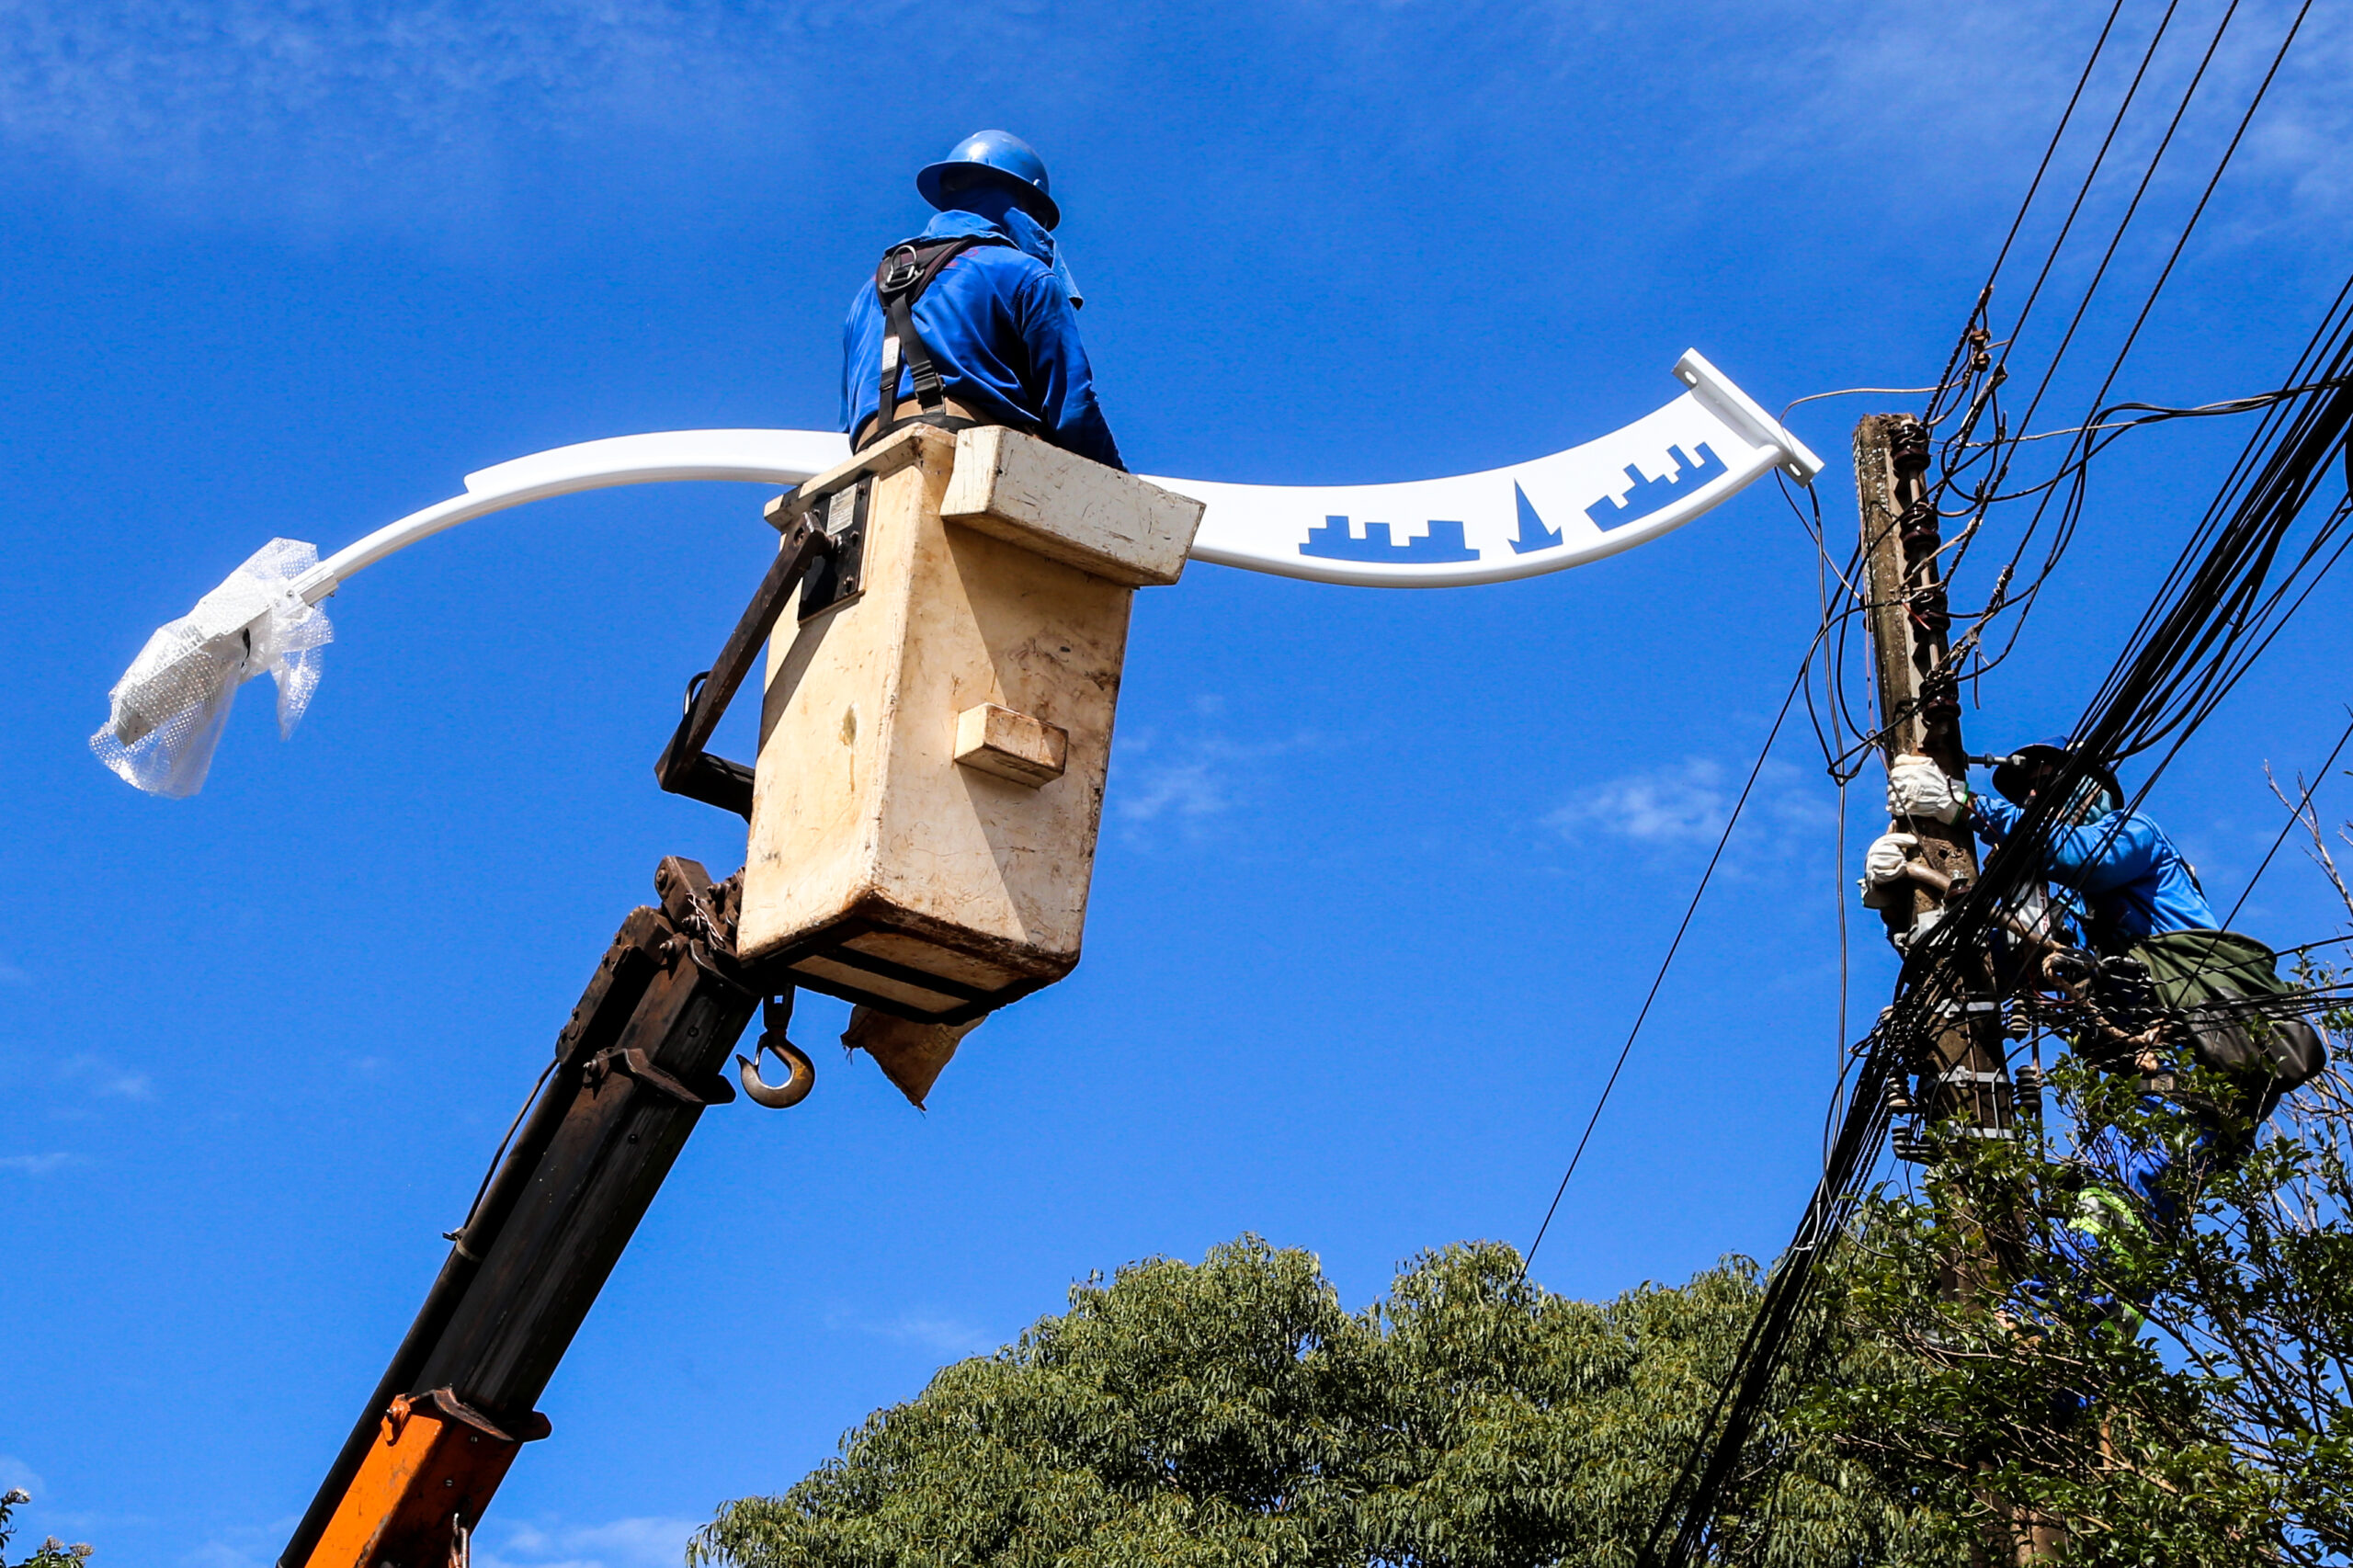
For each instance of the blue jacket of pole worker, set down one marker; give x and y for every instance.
(2132, 881)
(1001, 320)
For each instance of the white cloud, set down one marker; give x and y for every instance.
(1688, 802)
(370, 104)
(34, 1165)
(1670, 805)
(1973, 93)
(2005, 75)
(107, 1079)
(623, 1543)
(938, 1333)
(14, 1472)
(409, 106)
(1191, 786)
(220, 1554)
(241, 1545)
(949, 1336)
(99, 75)
(1182, 781)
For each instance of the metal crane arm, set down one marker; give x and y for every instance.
(633, 1070)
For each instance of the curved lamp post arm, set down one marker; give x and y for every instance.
(755, 457)
(1609, 494)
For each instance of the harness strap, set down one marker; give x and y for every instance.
(906, 271)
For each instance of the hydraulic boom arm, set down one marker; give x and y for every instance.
(633, 1070)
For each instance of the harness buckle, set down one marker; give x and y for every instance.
(898, 273)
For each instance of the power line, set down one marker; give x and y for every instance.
(2049, 150)
(2072, 465)
(1805, 669)
(2221, 604)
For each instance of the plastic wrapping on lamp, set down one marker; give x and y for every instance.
(167, 713)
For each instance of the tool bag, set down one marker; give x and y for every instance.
(2240, 1019)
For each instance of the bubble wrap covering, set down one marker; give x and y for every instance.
(168, 708)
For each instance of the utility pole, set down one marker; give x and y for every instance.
(1964, 1084)
(1919, 707)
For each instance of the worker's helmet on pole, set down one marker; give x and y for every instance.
(2013, 776)
(991, 157)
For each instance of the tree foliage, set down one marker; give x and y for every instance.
(2179, 1395)
(53, 1553)
(1971, 1385)
(1235, 1413)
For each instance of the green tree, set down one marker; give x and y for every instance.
(53, 1553)
(2180, 1395)
(1233, 1411)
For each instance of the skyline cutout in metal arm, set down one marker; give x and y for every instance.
(1611, 494)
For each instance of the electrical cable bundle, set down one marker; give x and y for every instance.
(2242, 576)
(2224, 600)
(1979, 445)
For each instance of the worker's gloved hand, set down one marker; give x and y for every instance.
(1883, 866)
(1918, 788)
(1884, 862)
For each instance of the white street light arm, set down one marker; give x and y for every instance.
(754, 457)
(1609, 494)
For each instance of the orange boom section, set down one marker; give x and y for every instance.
(420, 1489)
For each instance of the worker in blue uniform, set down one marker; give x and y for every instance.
(2159, 947)
(2117, 868)
(972, 321)
(975, 320)
(2138, 902)
(2131, 882)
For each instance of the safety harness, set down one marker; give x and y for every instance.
(906, 271)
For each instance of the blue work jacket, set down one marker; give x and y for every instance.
(2132, 881)
(1002, 331)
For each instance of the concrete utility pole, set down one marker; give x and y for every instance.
(1919, 705)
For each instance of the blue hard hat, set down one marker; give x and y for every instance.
(994, 157)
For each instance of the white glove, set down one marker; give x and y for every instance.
(1883, 865)
(1884, 862)
(1918, 788)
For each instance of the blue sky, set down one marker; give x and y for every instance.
(1383, 874)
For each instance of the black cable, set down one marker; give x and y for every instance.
(2004, 449)
(2295, 815)
(458, 1235)
(1988, 496)
(2083, 193)
(2049, 152)
(2198, 636)
(2219, 609)
(1805, 667)
(2132, 207)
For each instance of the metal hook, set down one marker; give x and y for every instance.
(777, 1096)
(776, 1012)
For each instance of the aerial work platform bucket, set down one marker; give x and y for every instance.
(936, 732)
